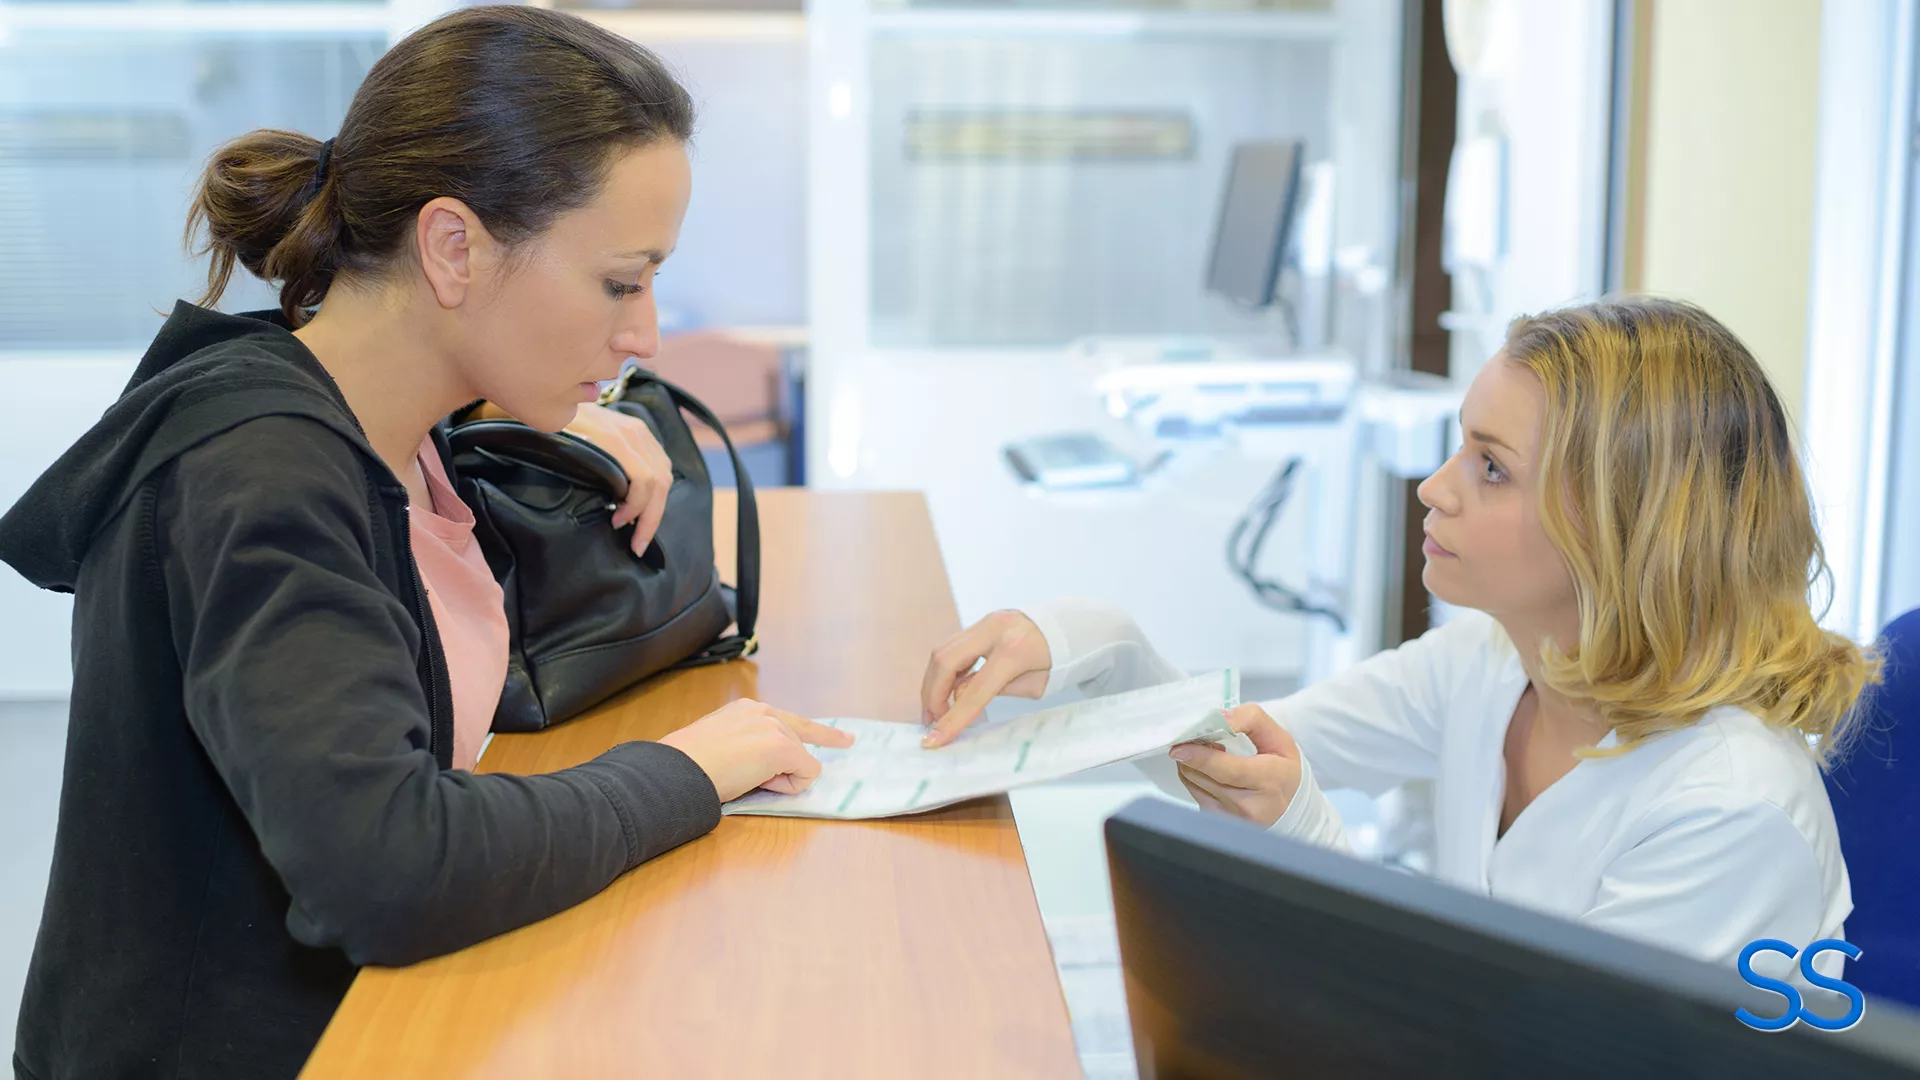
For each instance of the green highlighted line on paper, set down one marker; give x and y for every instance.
(851, 792)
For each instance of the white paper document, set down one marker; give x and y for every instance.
(886, 771)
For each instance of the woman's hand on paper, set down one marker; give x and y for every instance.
(1012, 658)
(1257, 788)
(629, 441)
(747, 745)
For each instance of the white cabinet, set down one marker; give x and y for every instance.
(990, 183)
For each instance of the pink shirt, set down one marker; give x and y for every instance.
(468, 607)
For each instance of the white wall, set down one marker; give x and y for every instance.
(1732, 112)
(50, 403)
(742, 254)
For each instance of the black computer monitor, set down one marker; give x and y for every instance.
(1248, 954)
(1256, 220)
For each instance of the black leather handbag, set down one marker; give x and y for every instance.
(586, 617)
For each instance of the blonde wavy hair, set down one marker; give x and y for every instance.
(1669, 485)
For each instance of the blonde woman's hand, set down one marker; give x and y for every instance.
(748, 745)
(1257, 788)
(629, 441)
(1013, 659)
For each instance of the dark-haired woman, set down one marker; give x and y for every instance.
(286, 648)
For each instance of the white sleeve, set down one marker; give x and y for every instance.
(1709, 878)
(1311, 816)
(1378, 724)
(1371, 727)
(1098, 648)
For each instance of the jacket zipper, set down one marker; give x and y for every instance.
(422, 611)
(429, 635)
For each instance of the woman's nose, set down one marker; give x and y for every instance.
(640, 335)
(1433, 492)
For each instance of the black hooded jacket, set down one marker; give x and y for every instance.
(258, 795)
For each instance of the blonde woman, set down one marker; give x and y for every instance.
(1629, 730)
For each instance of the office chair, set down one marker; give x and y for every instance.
(1876, 803)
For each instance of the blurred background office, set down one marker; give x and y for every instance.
(1157, 300)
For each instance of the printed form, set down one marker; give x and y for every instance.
(887, 772)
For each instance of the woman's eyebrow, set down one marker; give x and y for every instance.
(652, 255)
(1481, 436)
(1491, 440)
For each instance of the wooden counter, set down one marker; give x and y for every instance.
(773, 947)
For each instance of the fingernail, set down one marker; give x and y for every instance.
(927, 739)
(1181, 753)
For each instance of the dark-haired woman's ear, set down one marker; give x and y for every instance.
(447, 233)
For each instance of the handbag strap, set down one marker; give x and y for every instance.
(746, 552)
(561, 453)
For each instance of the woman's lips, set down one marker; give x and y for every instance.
(1434, 550)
